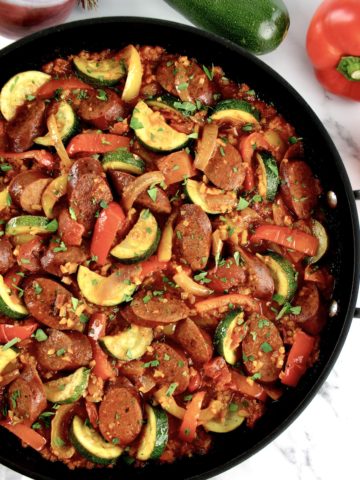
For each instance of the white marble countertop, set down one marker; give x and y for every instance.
(322, 444)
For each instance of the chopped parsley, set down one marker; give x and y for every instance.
(101, 95)
(72, 214)
(182, 86)
(266, 347)
(135, 123)
(170, 391)
(152, 192)
(40, 335)
(209, 73)
(152, 363)
(11, 343)
(60, 352)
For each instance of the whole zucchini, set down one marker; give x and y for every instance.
(257, 25)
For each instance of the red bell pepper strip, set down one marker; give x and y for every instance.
(23, 331)
(245, 385)
(42, 157)
(297, 361)
(150, 266)
(26, 434)
(95, 143)
(188, 426)
(49, 88)
(92, 412)
(247, 147)
(97, 326)
(287, 237)
(110, 220)
(333, 46)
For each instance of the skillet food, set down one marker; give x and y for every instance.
(161, 257)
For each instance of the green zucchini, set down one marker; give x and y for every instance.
(91, 445)
(67, 124)
(223, 338)
(259, 26)
(68, 389)
(122, 159)
(153, 132)
(320, 233)
(4, 198)
(129, 344)
(100, 73)
(30, 224)
(269, 179)
(284, 275)
(16, 90)
(155, 434)
(104, 291)
(58, 444)
(141, 242)
(232, 421)
(173, 105)
(211, 200)
(236, 111)
(6, 357)
(10, 304)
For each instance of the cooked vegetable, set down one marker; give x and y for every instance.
(320, 233)
(68, 389)
(233, 419)
(236, 111)
(10, 304)
(268, 176)
(100, 73)
(30, 224)
(57, 443)
(228, 335)
(66, 122)
(134, 72)
(298, 358)
(211, 200)
(155, 435)
(142, 183)
(284, 275)
(6, 357)
(122, 159)
(52, 193)
(129, 344)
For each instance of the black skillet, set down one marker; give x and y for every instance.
(115, 32)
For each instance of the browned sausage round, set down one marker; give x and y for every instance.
(194, 340)
(260, 280)
(26, 395)
(50, 303)
(64, 351)
(172, 367)
(26, 190)
(30, 254)
(263, 349)
(162, 309)
(193, 236)
(312, 316)
(120, 415)
(28, 123)
(81, 167)
(55, 262)
(120, 180)
(7, 258)
(226, 276)
(226, 169)
(101, 108)
(299, 188)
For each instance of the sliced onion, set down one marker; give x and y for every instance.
(165, 245)
(216, 245)
(132, 191)
(58, 144)
(190, 286)
(206, 146)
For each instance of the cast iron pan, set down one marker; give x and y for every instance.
(115, 32)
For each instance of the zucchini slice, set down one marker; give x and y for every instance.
(4, 198)
(284, 275)
(66, 122)
(134, 73)
(68, 389)
(129, 344)
(155, 434)
(211, 200)
(6, 357)
(171, 104)
(15, 90)
(236, 111)
(122, 159)
(31, 224)
(320, 233)
(58, 444)
(269, 179)
(141, 242)
(55, 190)
(91, 445)
(100, 73)
(224, 335)
(104, 291)
(232, 421)
(153, 132)
(10, 304)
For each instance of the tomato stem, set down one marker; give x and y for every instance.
(350, 68)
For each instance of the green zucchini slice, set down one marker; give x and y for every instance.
(30, 224)
(68, 389)
(129, 344)
(224, 335)
(91, 445)
(211, 200)
(155, 434)
(59, 446)
(141, 242)
(236, 111)
(320, 233)
(269, 179)
(6, 357)
(122, 159)
(153, 132)
(232, 421)
(172, 104)
(18, 88)
(284, 275)
(67, 124)
(100, 73)
(10, 304)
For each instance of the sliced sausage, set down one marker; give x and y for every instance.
(172, 367)
(193, 236)
(312, 316)
(29, 255)
(260, 281)
(26, 395)
(52, 261)
(101, 108)
(26, 190)
(7, 258)
(164, 309)
(299, 188)
(64, 351)
(81, 167)
(263, 349)
(28, 123)
(70, 230)
(225, 168)
(194, 340)
(3, 136)
(120, 415)
(226, 276)
(120, 180)
(50, 303)
(165, 73)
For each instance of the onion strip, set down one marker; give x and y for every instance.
(206, 146)
(190, 286)
(132, 191)
(58, 144)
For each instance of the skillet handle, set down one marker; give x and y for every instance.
(357, 313)
(357, 197)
